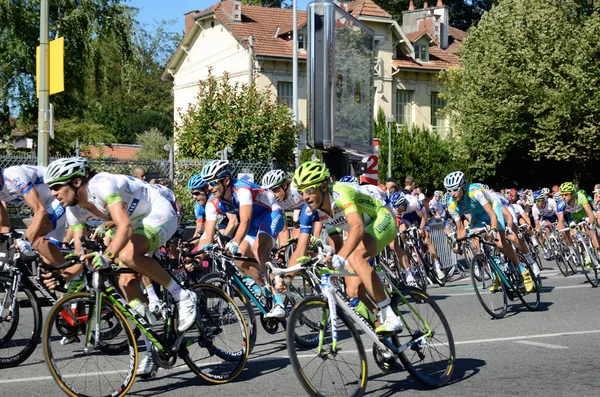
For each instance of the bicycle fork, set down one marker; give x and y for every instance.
(14, 289)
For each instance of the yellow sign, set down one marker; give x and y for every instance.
(56, 73)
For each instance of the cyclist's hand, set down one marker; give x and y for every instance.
(98, 261)
(280, 256)
(313, 240)
(421, 233)
(232, 247)
(52, 280)
(100, 232)
(190, 266)
(338, 262)
(457, 249)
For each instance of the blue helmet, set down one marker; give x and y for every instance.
(539, 194)
(196, 182)
(349, 179)
(397, 199)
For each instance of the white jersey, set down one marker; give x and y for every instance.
(375, 192)
(20, 179)
(294, 200)
(546, 213)
(438, 207)
(105, 189)
(166, 193)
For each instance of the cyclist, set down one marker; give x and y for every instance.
(370, 226)
(145, 220)
(411, 212)
(199, 190)
(544, 215)
(26, 183)
(261, 220)
(574, 208)
(483, 208)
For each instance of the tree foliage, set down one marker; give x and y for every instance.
(463, 13)
(529, 82)
(251, 121)
(415, 151)
(153, 145)
(68, 131)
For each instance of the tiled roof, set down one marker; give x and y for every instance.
(438, 59)
(121, 152)
(414, 36)
(262, 23)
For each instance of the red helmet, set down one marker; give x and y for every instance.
(513, 199)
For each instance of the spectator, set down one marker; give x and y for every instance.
(417, 193)
(409, 185)
(391, 186)
(139, 173)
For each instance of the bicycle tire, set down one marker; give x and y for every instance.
(571, 263)
(111, 381)
(356, 386)
(246, 305)
(14, 352)
(559, 259)
(430, 362)
(419, 272)
(591, 273)
(531, 300)
(215, 359)
(494, 303)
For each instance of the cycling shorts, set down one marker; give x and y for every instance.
(412, 219)
(159, 225)
(383, 228)
(270, 222)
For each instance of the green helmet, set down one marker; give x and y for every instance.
(567, 187)
(310, 173)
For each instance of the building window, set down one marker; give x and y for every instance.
(422, 52)
(285, 93)
(403, 107)
(438, 123)
(301, 42)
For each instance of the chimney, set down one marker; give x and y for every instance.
(411, 6)
(189, 20)
(237, 11)
(425, 5)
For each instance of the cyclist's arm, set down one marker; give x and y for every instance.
(460, 229)
(301, 248)
(4, 219)
(355, 235)
(210, 224)
(245, 220)
(284, 235)
(40, 225)
(231, 225)
(561, 220)
(124, 228)
(589, 213)
(423, 218)
(490, 211)
(317, 229)
(77, 232)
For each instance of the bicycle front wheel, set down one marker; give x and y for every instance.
(559, 258)
(431, 354)
(493, 300)
(531, 300)
(327, 367)
(77, 356)
(589, 264)
(20, 328)
(217, 345)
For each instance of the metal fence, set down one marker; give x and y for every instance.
(155, 169)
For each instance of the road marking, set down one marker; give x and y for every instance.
(545, 288)
(525, 337)
(547, 345)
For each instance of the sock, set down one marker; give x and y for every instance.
(277, 299)
(147, 343)
(151, 293)
(386, 309)
(176, 291)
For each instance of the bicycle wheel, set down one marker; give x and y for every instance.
(241, 301)
(322, 369)
(494, 303)
(531, 300)
(558, 258)
(217, 345)
(590, 270)
(20, 328)
(418, 271)
(82, 368)
(431, 359)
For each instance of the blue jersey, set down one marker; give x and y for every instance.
(472, 204)
(200, 211)
(244, 193)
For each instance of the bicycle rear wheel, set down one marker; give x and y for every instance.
(559, 258)
(216, 347)
(89, 370)
(418, 271)
(494, 303)
(19, 329)
(430, 360)
(531, 300)
(322, 369)
(590, 270)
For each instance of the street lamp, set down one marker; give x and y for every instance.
(390, 119)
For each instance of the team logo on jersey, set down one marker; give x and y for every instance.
(133, 206)
(335, 195)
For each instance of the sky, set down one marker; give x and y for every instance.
(157, 10)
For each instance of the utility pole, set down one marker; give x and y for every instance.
(295, 74)
(44, 86)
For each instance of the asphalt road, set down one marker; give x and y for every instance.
(551, 352)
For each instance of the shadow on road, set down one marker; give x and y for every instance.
(388, 385)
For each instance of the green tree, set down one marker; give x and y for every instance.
(153, 143)
(518, 97)
(251, 121)
(415, 151)
(67, 131)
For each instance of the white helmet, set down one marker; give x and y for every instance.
(273, 178)
(62, 171)
(454, 180)
(215, 169)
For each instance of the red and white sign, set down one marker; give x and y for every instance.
(370, 176)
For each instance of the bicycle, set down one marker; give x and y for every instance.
(560, 251)
(532, 244)
(322, 336)
(414, 248)
(229, 278)
(20, 310)
(492, 268)
(584, 252)
(111, 358)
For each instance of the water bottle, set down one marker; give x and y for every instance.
(249, 281)
(75, 284)
(24, 246)
(534, 241)
(139, 307)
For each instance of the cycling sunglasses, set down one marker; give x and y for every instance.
(309, 189)
(197, 193)
(214, 183)
(453, 189)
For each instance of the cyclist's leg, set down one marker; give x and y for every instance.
(52, 225)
